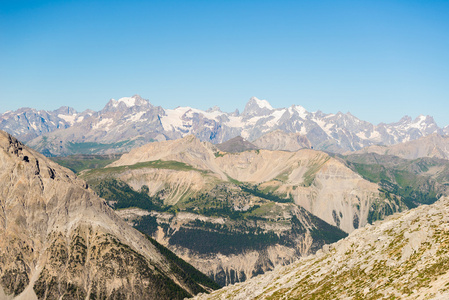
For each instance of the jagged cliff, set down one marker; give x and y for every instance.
(402, 257)
(60, 240)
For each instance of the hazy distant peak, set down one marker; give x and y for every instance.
(214, 108)
(125, 103)
(261, 103)
(256, 106)
(67, 110)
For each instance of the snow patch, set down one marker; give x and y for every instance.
(173, 118)
(277, 114)
(253, 120)
(136, 117)
(68, 119)
(325, 126)
(262, 103)
(129, 101)
(103, 124)
(235, 122)
(420, 123)
(301, 111)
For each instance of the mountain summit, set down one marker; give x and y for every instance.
(257, 107)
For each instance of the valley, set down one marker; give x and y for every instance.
(236, 215)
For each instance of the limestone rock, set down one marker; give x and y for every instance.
(59, 239)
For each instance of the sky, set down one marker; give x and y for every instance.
(379, 60)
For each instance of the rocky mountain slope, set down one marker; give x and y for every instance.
(263, 208)
(28, 123)
(132, 121)
(433, 145)
(402, 257)
(237, 144)
(59, 240)
(280, 140)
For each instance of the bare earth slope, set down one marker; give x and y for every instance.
(60, 240)
(402, 257)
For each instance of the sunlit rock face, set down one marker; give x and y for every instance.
(60, 240)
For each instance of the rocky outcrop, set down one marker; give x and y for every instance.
(60, 240)
(404, 257)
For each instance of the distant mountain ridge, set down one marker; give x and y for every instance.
(133, 121)
(433, 145)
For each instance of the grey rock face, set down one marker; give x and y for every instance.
(237, 144)
(28, 123)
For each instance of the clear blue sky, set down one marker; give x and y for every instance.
(379, 60)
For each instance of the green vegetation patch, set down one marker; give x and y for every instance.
(205, 241)
(92, 148)
(252, 189)
(156, 164)
(324, 231)
(81, 162)
(125, 197)
(314, 166)
(147, 224)
(400, 177)
(191, 276)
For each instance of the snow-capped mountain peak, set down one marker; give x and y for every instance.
(256, 107)
(262, 103)
(128, 101)
(133, 117)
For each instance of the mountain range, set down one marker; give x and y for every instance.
(231, 210)
(132, 121)
(235, 195)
